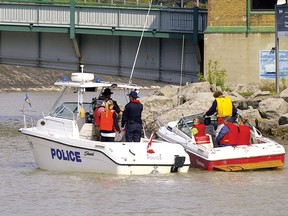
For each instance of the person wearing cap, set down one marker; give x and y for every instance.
(107, 95)
(222, 106)
(131, 119)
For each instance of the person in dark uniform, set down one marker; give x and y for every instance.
(131, 119)
(107, 95)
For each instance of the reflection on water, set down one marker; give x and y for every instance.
(27, 190)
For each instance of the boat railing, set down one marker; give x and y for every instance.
(31, 121)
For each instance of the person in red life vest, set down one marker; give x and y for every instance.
(96, 115)
(244, 132)
(222, 106)
(108, 123)
(228, 135)
(199, 128)
(131, 119)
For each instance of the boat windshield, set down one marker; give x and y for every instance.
(68, 110)
(185, 124)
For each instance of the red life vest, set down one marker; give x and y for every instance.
(201, 130)
(96, 115)
(244, 135)
(107, 122)
(231, 138)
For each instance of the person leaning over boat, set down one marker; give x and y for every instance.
(199, 128)
(244, 132)
(222, 106)
(228, 135)
(108, 123)
(107, 95)
(131, 119)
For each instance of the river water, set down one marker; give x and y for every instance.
(27, 190)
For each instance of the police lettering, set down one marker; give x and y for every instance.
(66, 155)
(154, 157)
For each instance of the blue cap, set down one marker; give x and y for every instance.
(133, 94)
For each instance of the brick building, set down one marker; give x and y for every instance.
(240, 36)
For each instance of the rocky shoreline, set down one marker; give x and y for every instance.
(269, 114)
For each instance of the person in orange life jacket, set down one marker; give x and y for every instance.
(199, 128)
(131, 119)
(107, 96)
(244, 132)
(108, 123)
(96, 115)
(228, 135)
(222, 106)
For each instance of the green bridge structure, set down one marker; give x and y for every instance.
(104, 38)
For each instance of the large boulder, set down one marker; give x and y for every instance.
(283, 119)
(195, 88)
(167, 90)
(284, 94)
(280, 132)
(273, 108)
(252, 115)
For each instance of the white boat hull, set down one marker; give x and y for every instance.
(81, 155)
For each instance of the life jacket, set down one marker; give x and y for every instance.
(244, 135)
(201, 128)
(231, 138)
(96, 115)
(224, 107)
(107, 122)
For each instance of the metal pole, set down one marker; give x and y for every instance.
(276, 56)
(277, 65)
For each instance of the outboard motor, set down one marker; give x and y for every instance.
(178, 162)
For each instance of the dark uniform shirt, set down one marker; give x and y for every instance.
(132, 113)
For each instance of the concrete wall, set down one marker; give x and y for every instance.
(238, 54)
(234, 37)
(158, 59)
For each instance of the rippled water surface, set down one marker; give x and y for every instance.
(27, 190)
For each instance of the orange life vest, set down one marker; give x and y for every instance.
(107, 122)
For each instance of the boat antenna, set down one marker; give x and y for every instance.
(139, 45)
(181, 66)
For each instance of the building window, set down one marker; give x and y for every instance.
(263, 5)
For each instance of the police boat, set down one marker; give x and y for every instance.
(64, 140)
(261, 153)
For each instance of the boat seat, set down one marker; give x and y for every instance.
(205, 141)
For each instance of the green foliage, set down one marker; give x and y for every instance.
(216, 75)
(283, 82)
(246, 94)
(201, 77)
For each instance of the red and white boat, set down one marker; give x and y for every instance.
(262, 153)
